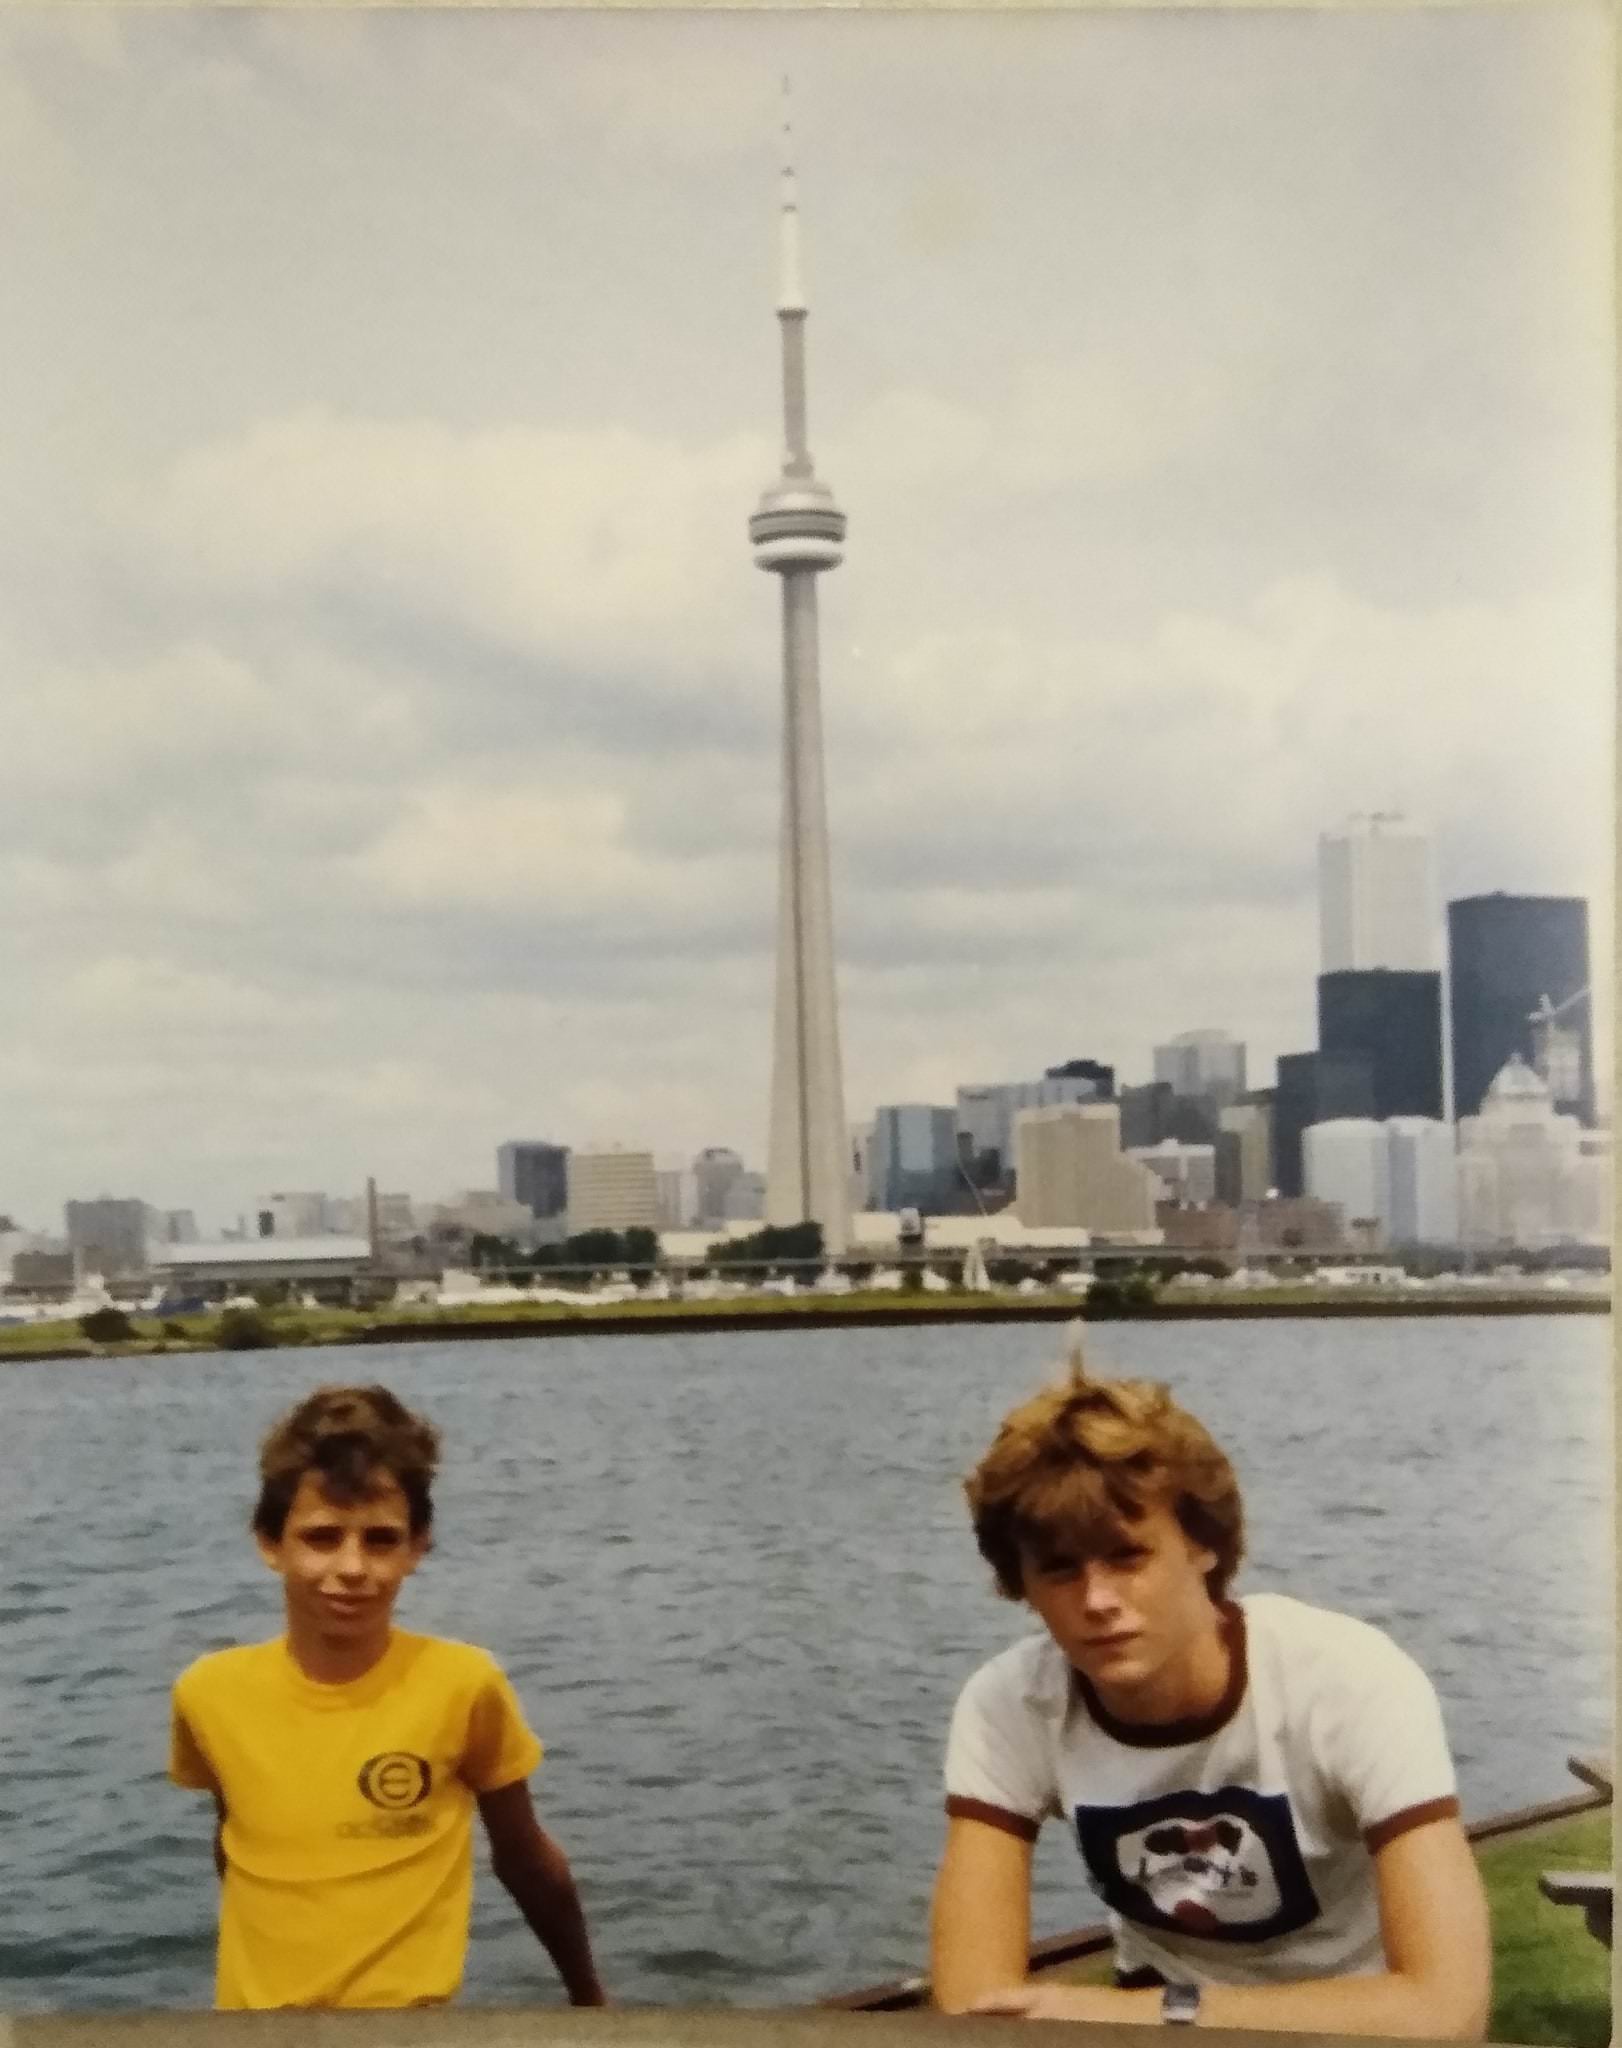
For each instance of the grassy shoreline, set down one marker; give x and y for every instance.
(1551, 1978)
(297, 1327)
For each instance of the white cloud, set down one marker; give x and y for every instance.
(1089, 419)
(1096, 418)
(153, 998)
(607, 546)
(73, 728)
(1223, 743)
(483, 847)
(172, 871)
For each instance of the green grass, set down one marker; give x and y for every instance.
(341, 1325)
(1551, 1978)
(338, 1325)
(19, 1339)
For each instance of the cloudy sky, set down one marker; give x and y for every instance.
(1221, 405)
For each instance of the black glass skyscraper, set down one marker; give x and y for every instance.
(530, 1171)
(1391, 1017)
(1505, 954)
(1312, 1088)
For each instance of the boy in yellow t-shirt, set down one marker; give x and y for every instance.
(347, 1756)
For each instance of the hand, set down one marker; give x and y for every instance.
(1067, 2002)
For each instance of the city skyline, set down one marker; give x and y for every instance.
(1204, 1062)
(1220, 404)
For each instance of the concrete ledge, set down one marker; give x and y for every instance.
(459, 2027)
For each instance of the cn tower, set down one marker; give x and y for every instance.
(797, 533)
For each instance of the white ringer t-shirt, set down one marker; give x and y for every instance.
(1236, 1849)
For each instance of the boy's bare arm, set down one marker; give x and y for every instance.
(535, 1870)
(980, 1928)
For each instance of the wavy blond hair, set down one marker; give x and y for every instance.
(1071, 1470)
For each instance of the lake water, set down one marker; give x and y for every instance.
(733, 1582)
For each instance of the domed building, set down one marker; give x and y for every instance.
(1530, 1176)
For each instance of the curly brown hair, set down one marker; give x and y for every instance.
(1072, 1469)
(351, 1438)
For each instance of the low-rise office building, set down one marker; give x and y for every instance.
(111, 1234)
(326, 1264)
(612, 1190)
(1072, 1172)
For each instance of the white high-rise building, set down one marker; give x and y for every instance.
(1424, 1171)
(1345, 1160)
(797, 533)
(1376, 895)
(1398, 1174)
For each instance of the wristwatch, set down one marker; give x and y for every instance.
(1180, 2005)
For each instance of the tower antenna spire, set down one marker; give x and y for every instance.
(791, 287)
(791, 308)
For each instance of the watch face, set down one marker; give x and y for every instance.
(1180, 2004)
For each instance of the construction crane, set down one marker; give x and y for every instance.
(1557, 1055)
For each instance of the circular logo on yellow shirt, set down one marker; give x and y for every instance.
(395, 1779)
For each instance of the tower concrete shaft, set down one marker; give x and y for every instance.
(796, 534)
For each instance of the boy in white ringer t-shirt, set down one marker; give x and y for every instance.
(1261, 1791)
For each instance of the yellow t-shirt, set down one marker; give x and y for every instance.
(349, 1809)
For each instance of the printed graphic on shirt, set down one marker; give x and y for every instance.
(1224, 1865)
(396, 1778)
